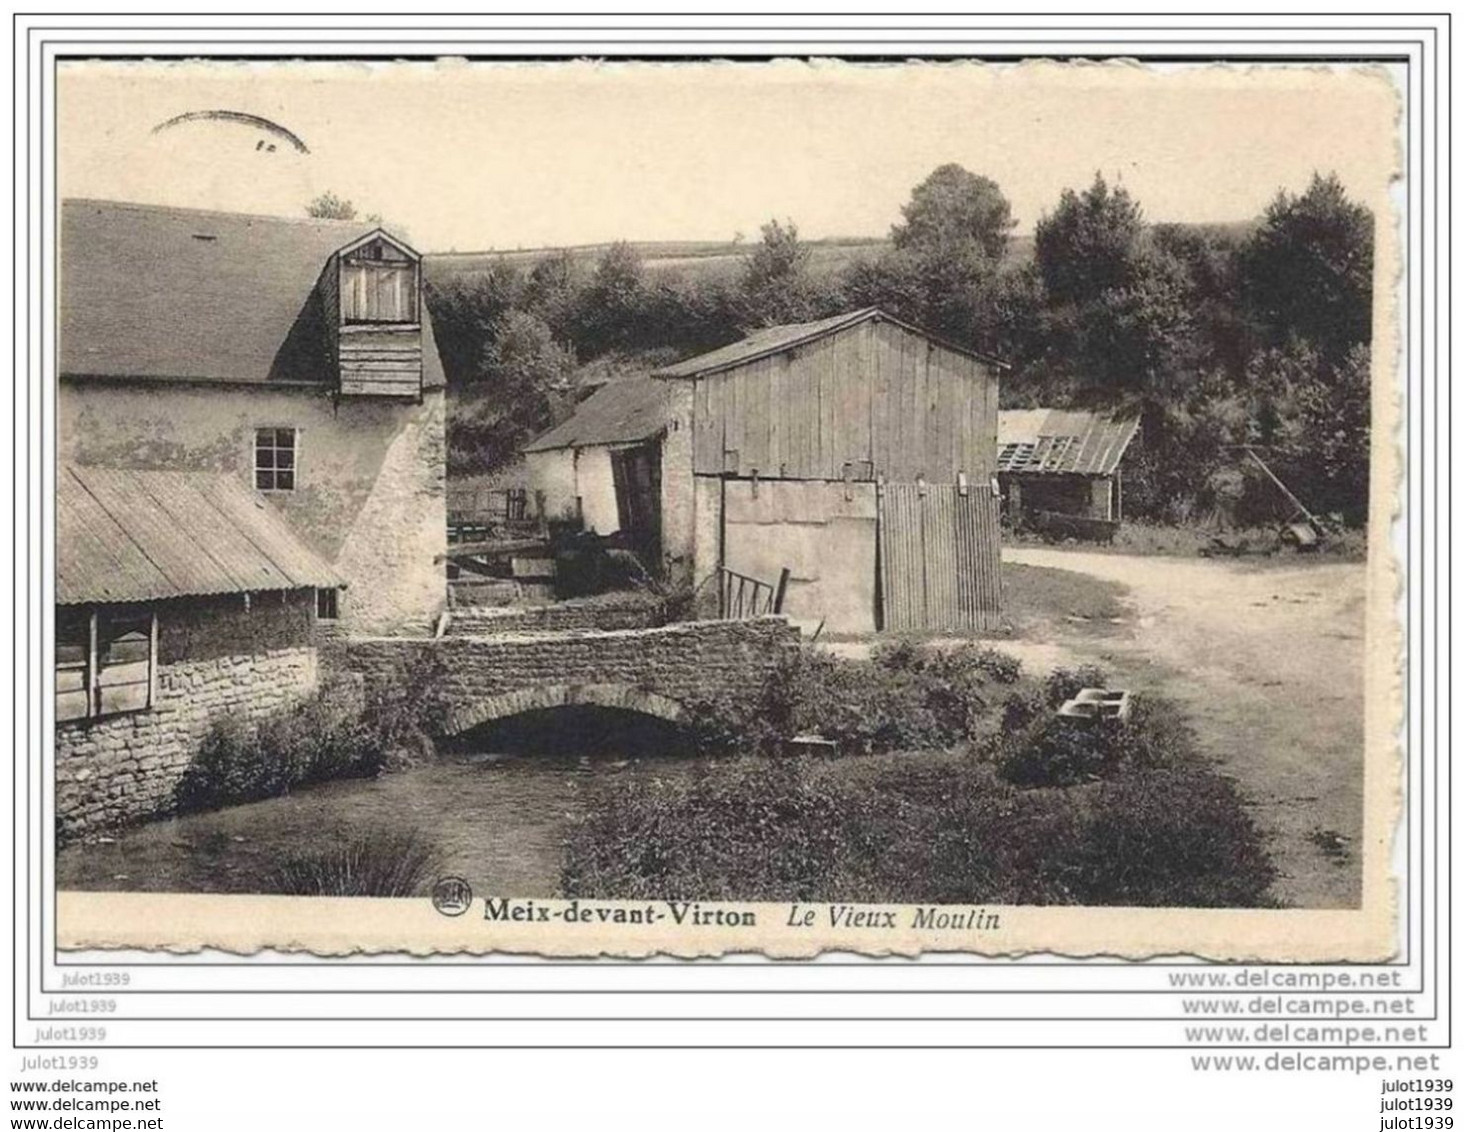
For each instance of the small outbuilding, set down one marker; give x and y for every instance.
(1063, 463)
(181, 597)
(856, 453)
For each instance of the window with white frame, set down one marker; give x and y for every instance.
(106, 662)
(274, 459)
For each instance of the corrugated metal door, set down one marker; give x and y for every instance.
(939, 557)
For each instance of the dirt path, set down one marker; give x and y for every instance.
(1268, 660)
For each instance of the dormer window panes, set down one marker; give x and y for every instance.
(378, 285)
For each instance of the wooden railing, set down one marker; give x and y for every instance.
(741, 597)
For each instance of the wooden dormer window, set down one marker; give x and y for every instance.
(379, 284)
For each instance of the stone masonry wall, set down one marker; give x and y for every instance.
(678, 662)
(123, 768)
(370, 491)
(631, 613)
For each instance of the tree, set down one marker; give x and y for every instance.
(465, 312)
(328, 206)
(952, 212)
(521, 386)
(552, 292)
(1090, 244)
(1307, 270)
(1119, 305)
(1324, 437)
(612, 304)
(776, 285)
(943, 269)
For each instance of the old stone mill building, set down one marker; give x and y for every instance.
(250, 487)
(857, 453)
(251, 456)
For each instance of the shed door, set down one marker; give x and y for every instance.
(939, 557)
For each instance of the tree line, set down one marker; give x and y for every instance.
(1218, 335)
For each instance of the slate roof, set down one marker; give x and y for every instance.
(142, 536)
(776, 339)
(626, 411)
(1061, 441)
(186, 294)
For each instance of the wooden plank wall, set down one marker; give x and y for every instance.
(875, 396)
(329, 288)
(379, 361)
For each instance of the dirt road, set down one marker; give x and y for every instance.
(1268, 659)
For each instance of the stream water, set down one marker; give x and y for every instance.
(496, 808)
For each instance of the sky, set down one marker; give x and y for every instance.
(471, 156)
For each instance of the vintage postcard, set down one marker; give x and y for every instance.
(586, 508)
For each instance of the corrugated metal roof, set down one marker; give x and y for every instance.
(621, 412)
(143, 536)
(188, 294)
(1061, 441)
(776, 339)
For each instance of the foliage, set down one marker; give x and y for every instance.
(328, 735)
(383, 863)
(520, 386)
(776, 284)
(952, 211)
(934, 829)
(1054, 750)
(1308, 269)
(1217, 335)
(1117, 307)
(908, 696)
(1089, 246)
(945, 267)
(328, 206)
(1326, 445)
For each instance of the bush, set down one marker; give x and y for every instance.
(328, 735)
(937, 830)
(1025, 705)
(1175, 838)
(382, 863)
(749, 829)
(907, 697)
(1054, 750)
(1064, 683)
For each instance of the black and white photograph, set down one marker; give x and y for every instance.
(629, 508)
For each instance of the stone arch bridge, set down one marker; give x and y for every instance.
(481, 678)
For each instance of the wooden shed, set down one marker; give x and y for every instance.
(857, 452)
(1063, 464)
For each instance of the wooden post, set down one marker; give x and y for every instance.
(152, 659)
(782, 590)
(93, 685)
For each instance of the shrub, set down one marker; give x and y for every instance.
(1054, 750)
(327, 735)
(749, 829)
(940, 829)
(1176, 838)
(908, 697)
(382, 863)
(230, 766)
(1065, 683)
(962, 660)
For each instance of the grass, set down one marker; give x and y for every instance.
(1035, 811)
(1137, 536)
(379, 863)
(1041, 595)
(932, 827)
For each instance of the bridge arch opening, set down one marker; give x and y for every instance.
(584, 719)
